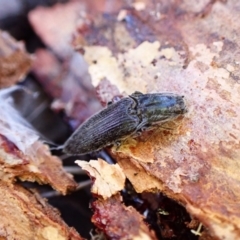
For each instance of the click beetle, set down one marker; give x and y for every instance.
(123, 118)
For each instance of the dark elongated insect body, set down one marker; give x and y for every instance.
(123, 118)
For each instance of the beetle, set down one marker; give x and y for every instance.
(123, 118)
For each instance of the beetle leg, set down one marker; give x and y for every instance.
(135, 102)
(142, 126)
(117, 144)
(140, 129)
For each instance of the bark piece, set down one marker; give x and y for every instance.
(28, 216)
(25, 215)
(108, 179)
(14, 61)
(195, 159)
(118, 221)
(40, 166)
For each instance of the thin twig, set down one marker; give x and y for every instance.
(74, 170)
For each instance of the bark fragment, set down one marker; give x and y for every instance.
(108, 179)
(24, 214)
(27, 216)
(118, 221)
(14, 61)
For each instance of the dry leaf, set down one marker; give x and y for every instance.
(109, 179)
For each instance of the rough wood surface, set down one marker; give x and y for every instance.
(63, 72)
(187, 48)
(190, 49)
(40, 166)
(25, 215)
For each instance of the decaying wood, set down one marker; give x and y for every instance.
(40, 166)
(25, 215)
(193, 51)
(61, 17)
(14, 61)
(190, 49)
(108, 179)
(119, 221)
